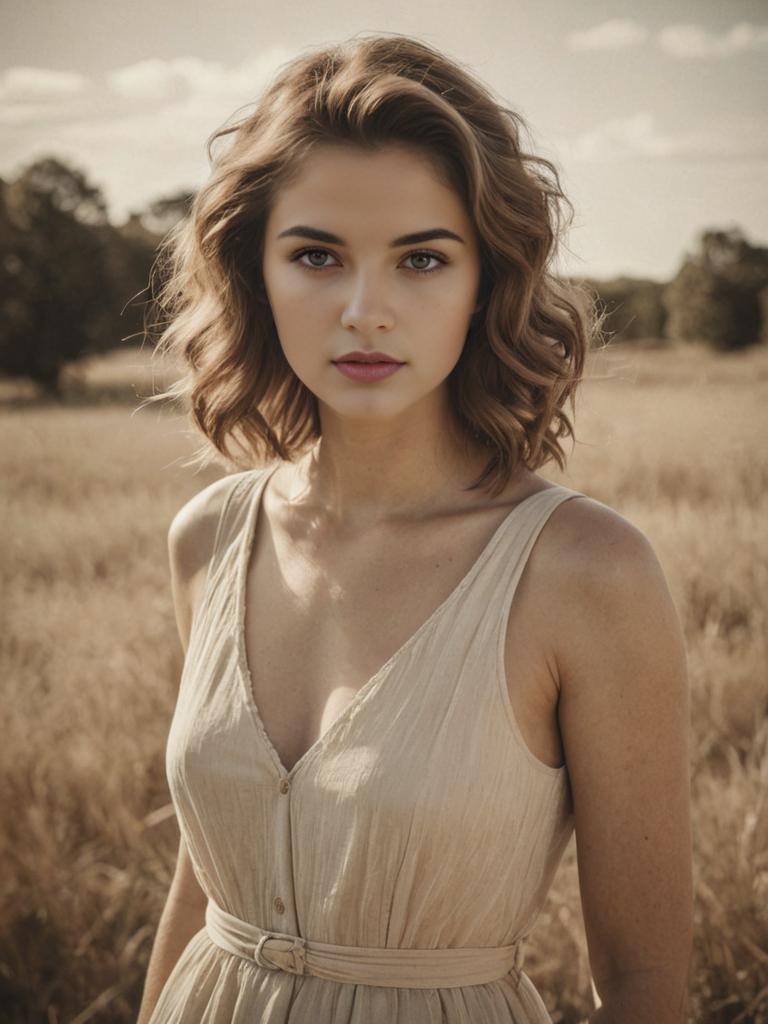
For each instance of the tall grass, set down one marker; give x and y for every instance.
(90, 660)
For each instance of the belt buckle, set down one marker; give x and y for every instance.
(294, 964)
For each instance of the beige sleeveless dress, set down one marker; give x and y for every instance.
(392, 875)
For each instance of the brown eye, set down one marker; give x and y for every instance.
(421, 256)
(427, 256)
(316, 253)
(316, 257)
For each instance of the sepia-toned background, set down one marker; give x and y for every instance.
(655, 116)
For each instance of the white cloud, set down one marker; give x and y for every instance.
(191, 76)
(616, 34)
(693, 41)
(627, 138)
(619, 137)
(153, 79)
(21, 85)
(143, 135)
(34, 96)
(683, 41)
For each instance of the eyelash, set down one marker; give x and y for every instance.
(419, 252)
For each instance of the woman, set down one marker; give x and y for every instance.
(377, 755)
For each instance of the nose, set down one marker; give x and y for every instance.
(367, 309)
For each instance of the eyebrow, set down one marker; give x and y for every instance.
(303, 231)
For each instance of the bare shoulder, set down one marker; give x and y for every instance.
(605, 583)
(191, 536)
(593, 543)
(193, 528)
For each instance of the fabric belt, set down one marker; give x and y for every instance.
(357, 965)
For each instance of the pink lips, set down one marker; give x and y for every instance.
(368, 371)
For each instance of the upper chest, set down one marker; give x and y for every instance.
(323, 616)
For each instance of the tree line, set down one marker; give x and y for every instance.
(72, 284)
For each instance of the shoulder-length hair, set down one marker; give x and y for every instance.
(526, 346)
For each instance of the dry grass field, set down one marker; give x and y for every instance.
(90, 660)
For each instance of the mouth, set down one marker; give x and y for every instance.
(367, 370)
(376, 358)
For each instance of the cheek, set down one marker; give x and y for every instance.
(293, 314)
(300, 308)
(297, 334)
(282, 283)
(438, 344)
(447, 320)
(303, 334)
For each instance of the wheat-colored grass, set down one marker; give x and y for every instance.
(90, 660)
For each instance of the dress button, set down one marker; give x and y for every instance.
(285, 786)
(279, 905)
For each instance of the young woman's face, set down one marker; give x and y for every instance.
(341, 275)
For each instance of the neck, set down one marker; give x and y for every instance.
(386, 473)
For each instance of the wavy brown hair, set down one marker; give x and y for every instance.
(526, 346)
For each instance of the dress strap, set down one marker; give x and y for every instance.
(517, 543)
(233, 518)
(499, 568)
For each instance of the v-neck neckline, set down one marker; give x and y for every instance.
(255, 503)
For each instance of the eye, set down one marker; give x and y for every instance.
(299, 257)
(425, 255)
(317, 260)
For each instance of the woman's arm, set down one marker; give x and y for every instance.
(190, 543)
(183, 916)
(623, 713)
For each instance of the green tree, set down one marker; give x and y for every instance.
(719, 293)
(65, 273)
(67, 189)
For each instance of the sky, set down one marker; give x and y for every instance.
(654, 114)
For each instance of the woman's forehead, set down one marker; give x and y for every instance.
(345, 183)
